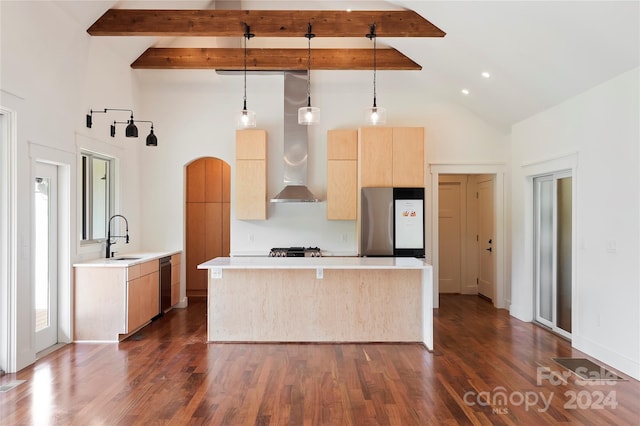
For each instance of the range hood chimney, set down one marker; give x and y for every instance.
(296, 143)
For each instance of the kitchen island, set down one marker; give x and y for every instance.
(325, 299)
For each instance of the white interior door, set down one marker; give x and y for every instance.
(486, 237)
(45, 230)
(450, 234)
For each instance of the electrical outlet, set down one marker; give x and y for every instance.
(319, 273)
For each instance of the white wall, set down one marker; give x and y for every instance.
(194, 115)
(600, 129)
(52, 74)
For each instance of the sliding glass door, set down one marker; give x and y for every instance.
(553, 250)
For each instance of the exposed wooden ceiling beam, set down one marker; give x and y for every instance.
(272, 59)
(263, 23)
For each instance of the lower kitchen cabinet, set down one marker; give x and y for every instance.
(176, 261)
(110, 303)
(143, 299)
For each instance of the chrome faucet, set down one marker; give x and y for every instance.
(126, 236)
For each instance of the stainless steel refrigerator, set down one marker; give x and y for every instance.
(392, 222)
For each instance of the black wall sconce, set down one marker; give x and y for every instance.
(131, 131)
(152, 140)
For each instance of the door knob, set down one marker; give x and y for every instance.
(489, 249)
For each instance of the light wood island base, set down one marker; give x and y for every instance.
(319, 300)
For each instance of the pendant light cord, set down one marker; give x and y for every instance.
(247, 36)
(372, 36)
(244, 98)
(309, 35)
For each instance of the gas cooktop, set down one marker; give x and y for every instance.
(295, 252)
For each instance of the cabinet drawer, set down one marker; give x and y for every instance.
(176, 259)
(149, 267)
(133, 272)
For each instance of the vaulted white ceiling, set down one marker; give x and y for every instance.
(539, 53)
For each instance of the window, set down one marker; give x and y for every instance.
(97, 196)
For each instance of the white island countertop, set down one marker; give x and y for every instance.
(125, 259)
(265, 262)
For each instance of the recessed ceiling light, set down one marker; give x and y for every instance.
(485, 74)
(465, 92)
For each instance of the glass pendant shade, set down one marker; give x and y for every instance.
(308, 115)
(246, 119)
(376, 115)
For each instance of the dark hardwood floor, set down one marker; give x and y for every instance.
(487, 368)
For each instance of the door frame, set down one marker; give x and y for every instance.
(65, 163)
(568, 162)
(8, 242)
(501, 299)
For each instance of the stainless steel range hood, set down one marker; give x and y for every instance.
(296, 143)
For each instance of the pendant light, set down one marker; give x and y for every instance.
(375, 115)
(309, 115)
(246, 118)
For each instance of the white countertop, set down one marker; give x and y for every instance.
(265, 262)
(125, 259)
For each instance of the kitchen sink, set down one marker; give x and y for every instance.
(126, 258)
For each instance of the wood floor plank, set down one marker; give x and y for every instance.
(169, 374)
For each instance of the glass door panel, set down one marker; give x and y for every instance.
(553, 251)
(45, 256)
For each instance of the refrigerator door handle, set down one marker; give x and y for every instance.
(390, 227)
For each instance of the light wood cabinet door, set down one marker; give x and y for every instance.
(342, 189)
(408, 157)
(375, 154)
(251, 174)
(251, 144)
(176, 260)
(143, 300)
(342, 174)
(251, 190)
(342, 145)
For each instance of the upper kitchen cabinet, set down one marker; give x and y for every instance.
(408, 156)
(342, 174)
(375, 147)
(391, 156)
(251, 174)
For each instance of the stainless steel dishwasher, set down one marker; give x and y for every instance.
(165, 284)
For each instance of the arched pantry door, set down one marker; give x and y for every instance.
(208, 182)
